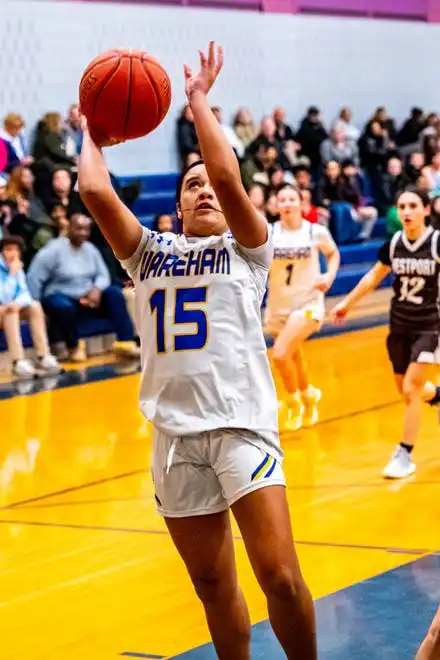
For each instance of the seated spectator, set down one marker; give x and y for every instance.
(256, 169)
(63, 194)
(387, 124)
(431, 129)
(16, 303)
(21, 186)
(393, 181)
(435, 213)
(229, 133)
(309, 210)
(187, 141)
(414, 166)
(277, 179)
(344, 123)
(337, 148)
(304, 181)
(432, 174)
(256, 195)
(244, 127)
(13, 143)
(431, 144)
(272, 214)
(51, 148)
(424, 183)
(409, 135)
(283, 132)
(310, 136)
(73, 127)
(265, 137)
(163, 223)
(374, 150)
(350, 192)
(72, 281)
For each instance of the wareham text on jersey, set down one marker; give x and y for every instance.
(293, 252)
(413, 266)
(196, 262)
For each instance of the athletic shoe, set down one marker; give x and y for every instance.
(126, 349)
(49, 365)
(292, 419)
(310, 398)
(400, 465)
(24, 369)
(79, 353)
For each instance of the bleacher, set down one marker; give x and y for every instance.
(158, 196)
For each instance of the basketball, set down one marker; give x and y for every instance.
(124, 94)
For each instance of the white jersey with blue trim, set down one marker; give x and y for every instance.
(295, 267)
(204, 358)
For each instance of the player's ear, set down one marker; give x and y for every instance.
(178, 211)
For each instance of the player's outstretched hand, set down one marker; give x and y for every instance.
(210, 67)
(98, 139)
(323, 283)
(339, 313)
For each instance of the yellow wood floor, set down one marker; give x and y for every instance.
(87, 569)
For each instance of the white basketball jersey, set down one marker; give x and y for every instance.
(295, 267)
(204, 359)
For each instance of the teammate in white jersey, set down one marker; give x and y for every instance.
(295, 304)
(206, 382)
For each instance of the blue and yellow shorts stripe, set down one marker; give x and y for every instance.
(265, 469)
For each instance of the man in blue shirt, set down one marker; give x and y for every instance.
(70, 278)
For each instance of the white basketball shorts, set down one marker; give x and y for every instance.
(206, 473)
(313, 310)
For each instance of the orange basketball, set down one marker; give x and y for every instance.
(124, 94)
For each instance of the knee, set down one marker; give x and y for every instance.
(58, 303)
(211, 587)
(113, 292)
(280, 354)
(281, 582)
(412, 390)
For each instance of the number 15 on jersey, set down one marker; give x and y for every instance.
(185, 310)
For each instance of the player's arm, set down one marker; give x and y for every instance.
(120, 227)
(368, 283)
(330, 250)
(248, 227)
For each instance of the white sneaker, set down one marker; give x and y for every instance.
(49, 364)
(400, 465)
(310, 399)
(24, 369)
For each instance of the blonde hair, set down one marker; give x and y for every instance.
(51, 122)
(13, 120)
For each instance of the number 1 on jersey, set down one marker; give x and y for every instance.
(289, 269)
(187, 341)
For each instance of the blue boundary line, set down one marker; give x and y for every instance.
(131, 654)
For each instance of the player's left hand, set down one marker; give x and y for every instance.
(210, 67)
(323, 283)
(97, 138)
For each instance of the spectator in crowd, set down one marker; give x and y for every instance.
(51, 147)
(63, 194)
(265, 137)
(414, 166)
(409, 135)
(374, 150)
(229, 133)
(435, 213)
(257, 169)
(344, 123)
(304, 181)
(393, 181)
(163, 223)
(283, 132)
(337, 148)
(311, 134)
(431, 129)
(431, 145)
(350, 192)
(309, 210)
(432, 174)
(187, 142)
(21, 186)
(70, 278)
(244, 127)
(256, 195)
(277, 179)
(13, 144)
(16, 303)
(73, 127)
(424, 184)
(272, 214)
(386, 122)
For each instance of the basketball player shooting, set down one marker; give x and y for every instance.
(206, 383)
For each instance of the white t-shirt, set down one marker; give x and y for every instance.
(295, 267)
(203, 354)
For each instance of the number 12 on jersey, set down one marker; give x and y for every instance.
(181, 315)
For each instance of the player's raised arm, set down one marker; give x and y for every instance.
(368, 283)
(247, 226)
(120, 227)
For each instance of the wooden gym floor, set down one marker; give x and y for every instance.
(87, 569)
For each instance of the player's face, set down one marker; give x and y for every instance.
(199, 207)
(412, 212)
(289, 206)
